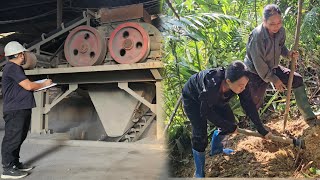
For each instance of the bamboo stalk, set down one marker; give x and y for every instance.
(173, 114)
(293, 64)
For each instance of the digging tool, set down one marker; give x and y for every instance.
(295, 141)
(293, 64)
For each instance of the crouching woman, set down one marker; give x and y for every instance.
(205, 97)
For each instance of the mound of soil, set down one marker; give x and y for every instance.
(312, 139)
(257, 157)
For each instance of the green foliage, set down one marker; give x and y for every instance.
(214, 33)
(310, 35)
(314, 171)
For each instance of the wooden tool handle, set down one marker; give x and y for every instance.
(272, 137)
(293, 65)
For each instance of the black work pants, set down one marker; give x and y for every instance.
(17, 125)
(199, 124)
(258, 87)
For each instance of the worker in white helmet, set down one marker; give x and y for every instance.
(18, 100)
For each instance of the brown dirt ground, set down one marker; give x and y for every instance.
(257, 157)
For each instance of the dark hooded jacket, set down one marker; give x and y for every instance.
(204, 89)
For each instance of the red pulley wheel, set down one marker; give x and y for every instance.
(85, 46)
(129, 43)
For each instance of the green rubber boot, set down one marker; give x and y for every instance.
(304, 106)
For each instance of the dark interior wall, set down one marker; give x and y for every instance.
(30, 18)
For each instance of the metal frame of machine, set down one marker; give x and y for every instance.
(121, 75)
(74, 77)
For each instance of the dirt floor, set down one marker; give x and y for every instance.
(257, 157)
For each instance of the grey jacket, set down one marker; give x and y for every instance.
(263, 52)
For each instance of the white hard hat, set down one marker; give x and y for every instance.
(13, 48)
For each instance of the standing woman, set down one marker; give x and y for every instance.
(265, 45)
(205, 98)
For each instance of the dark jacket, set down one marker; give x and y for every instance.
(204, 89)
(263, 52)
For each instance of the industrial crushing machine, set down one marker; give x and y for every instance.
(109, 61)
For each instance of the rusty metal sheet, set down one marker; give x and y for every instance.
(146, 17)
(124, 13)
(115, 109)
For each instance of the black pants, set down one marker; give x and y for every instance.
(17, 125)
(258, 87)
(199, 124)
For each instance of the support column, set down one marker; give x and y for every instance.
(46, 116)
(59, 12)
(37, 117)
(59, 22)
(40, 118)
(160, 109)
